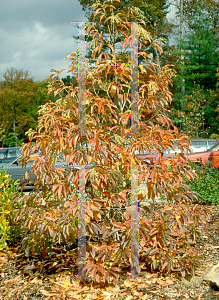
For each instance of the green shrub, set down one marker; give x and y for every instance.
(7, 190)
(206, 184)
(12, 140)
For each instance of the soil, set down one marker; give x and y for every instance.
(56, 277)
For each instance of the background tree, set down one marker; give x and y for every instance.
(200, 61)
(20, 98)
(70, 80)
(198, 116)
(200, 55)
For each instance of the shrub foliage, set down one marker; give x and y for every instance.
(205, 184)
(7, 224)
(50, 213)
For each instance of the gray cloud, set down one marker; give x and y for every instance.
(37, 35)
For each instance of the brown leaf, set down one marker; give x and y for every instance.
(130, 297)
(146, 296)
(47, 293)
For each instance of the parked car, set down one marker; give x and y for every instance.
(201, 145)
(205, 156)
(200, 156)
(211, 155)
(17, 171)
(197, 145)
(9, 154)
(214, 156)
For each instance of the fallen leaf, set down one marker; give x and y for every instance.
(129, 297)
(3, 260)
(65, 285)
(127, 284)
(36, 280)
(108, 295)
(191, 295)
(134, 293)
(199, 297)
(74, 297)
(168, 282)
(47, 293)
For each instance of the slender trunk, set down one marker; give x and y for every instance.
(182, 57)
(156, 57)
(6, 133)
(14, 129)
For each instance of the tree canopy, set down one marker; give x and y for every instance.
(20, 99)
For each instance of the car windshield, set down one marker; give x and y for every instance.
(215, 147)
(9, 154)
(171, 151)
(3, 153)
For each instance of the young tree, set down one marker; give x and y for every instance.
(111, 144)
(152, 12)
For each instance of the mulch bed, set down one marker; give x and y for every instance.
(56, 277)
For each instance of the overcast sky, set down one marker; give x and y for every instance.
(35, 35)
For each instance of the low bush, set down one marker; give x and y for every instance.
(206, 184)
(7, 206)
(166, 237)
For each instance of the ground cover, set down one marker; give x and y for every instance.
(55, 277)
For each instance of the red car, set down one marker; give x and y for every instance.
(214, 156)
(211, 155)
(203, 156)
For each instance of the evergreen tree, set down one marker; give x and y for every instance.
(199, 45)
(200, 53)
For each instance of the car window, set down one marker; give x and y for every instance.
(9, 154)
(3, 153)
(211, 143)
(199, 144)
(215, 147)
(13, 153)
(172, 151)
